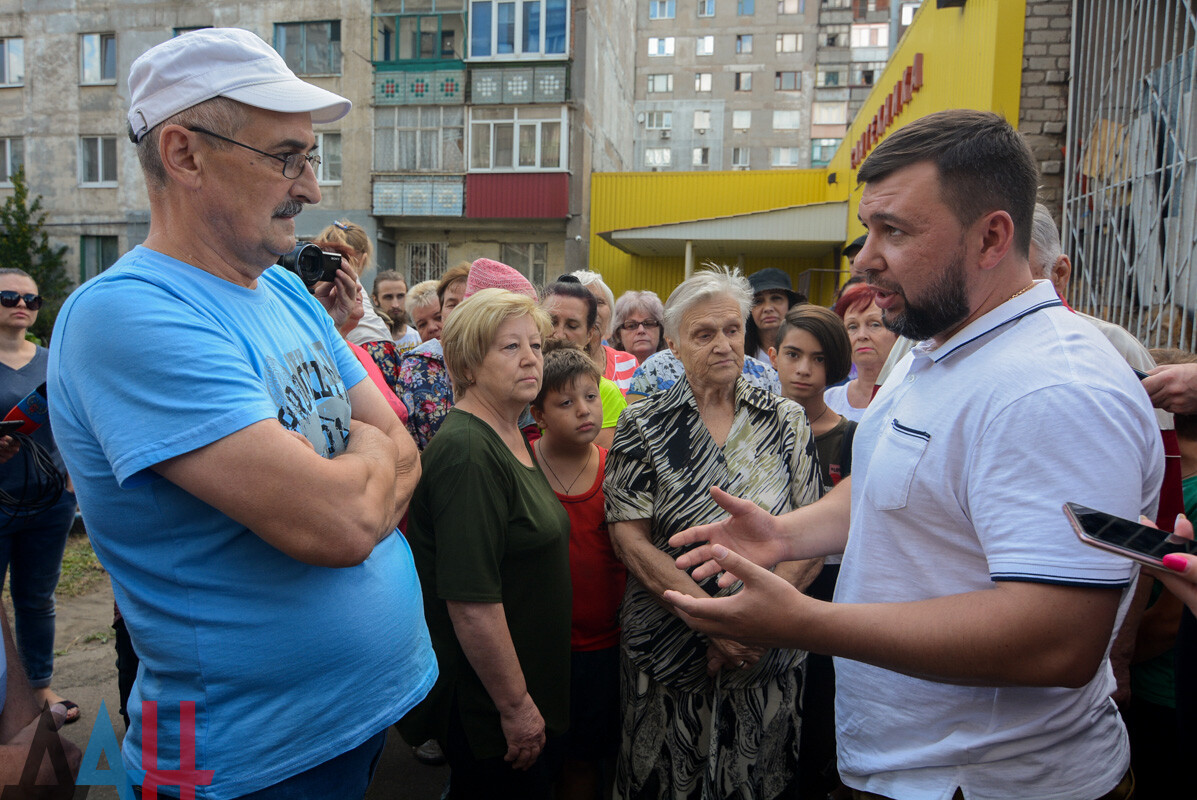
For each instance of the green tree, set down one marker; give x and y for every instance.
(25, 245)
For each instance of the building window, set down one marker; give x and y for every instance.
(744, 43)
(425, 261)
(706, 8)
(702, 121)
(310, 48)
(660, 45)
(97, 161)
(96, 254)
(834, 35)
(328, 145)
(660, 83)
(419, 139)
(789, 42)
(12, 159)
(743, 81)
(787, 81)
(784, 156)
(702, 82)
(531, 259)
(417, 37)
(525, 138)
(12, 62)
(518, 27)
(791, 6)
(97, 58)
(870, 35)
(829, 77)
(659, 120)
(829, 113)
(658, 156)
(661, 9)
(739, 158)
(865, 73)
(745, 8)
(821, 151)
(701, 157)
(837, 3)
(704, 46)
(787, 119)
(741, 120)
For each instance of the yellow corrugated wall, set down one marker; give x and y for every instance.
(972, 58)
(637, 199)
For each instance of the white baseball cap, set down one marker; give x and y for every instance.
(220, 62)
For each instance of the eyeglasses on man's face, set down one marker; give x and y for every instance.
(648, 325)
(10, 299)
(292, 163)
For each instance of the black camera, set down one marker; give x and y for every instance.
(311, 264)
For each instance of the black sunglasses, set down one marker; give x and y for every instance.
(10, 299)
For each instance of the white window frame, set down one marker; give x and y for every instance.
(100, 41)
(818, 146)
(741, 157)
(743, 43)
(704, 46)
(702, 119)
(658, 121)
(742, 81)
(870, 35)
(518, 51)
(444, 133)
(819, 113)
(479, 119)
(662, 9)
(701, 157)
(790, 119)
(658, 157)
(793, 160)
(789, 43)
(741, 119)
(8, 163)
(706, 8)
(659, 46)
(785, 7)
(655, 81)
(12, 61)
(702, 82)
(325, 147)
(103, 162)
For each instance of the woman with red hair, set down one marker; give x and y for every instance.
(871, 343)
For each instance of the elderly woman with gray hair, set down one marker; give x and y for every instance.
(704, 717)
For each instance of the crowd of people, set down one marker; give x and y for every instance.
(729, 545)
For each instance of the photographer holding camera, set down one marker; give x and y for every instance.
(240, 478)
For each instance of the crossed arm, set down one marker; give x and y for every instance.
(326, 512)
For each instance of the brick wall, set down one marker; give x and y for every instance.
(1043, 114)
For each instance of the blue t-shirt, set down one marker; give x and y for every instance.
(288, 664)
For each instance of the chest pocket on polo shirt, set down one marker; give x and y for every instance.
(891, 469)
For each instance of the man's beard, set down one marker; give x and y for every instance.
(944, 306)
(399, 317)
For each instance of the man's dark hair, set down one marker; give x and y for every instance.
(564, 363)
(984, 165)
(574, 288)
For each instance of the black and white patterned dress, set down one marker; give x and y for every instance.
(685, 734)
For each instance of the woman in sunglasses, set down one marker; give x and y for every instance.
(31, 539)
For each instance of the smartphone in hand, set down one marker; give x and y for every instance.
(1134, 540)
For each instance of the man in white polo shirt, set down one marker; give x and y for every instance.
(972, 627)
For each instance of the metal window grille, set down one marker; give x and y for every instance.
(426, 260)
(1130, 196)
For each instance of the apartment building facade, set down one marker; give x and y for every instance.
(475, 126)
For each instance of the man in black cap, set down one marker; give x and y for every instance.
(772, 297)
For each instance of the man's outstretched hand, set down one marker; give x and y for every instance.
(767, 611)
(750, 530)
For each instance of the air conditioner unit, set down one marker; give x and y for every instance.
(665, 134)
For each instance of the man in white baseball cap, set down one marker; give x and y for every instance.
(240, 476)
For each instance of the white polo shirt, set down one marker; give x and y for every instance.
(960, 467)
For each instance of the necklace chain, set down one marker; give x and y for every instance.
(1026, 288)
(561, 483)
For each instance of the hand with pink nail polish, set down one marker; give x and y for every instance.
(1180, 573)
